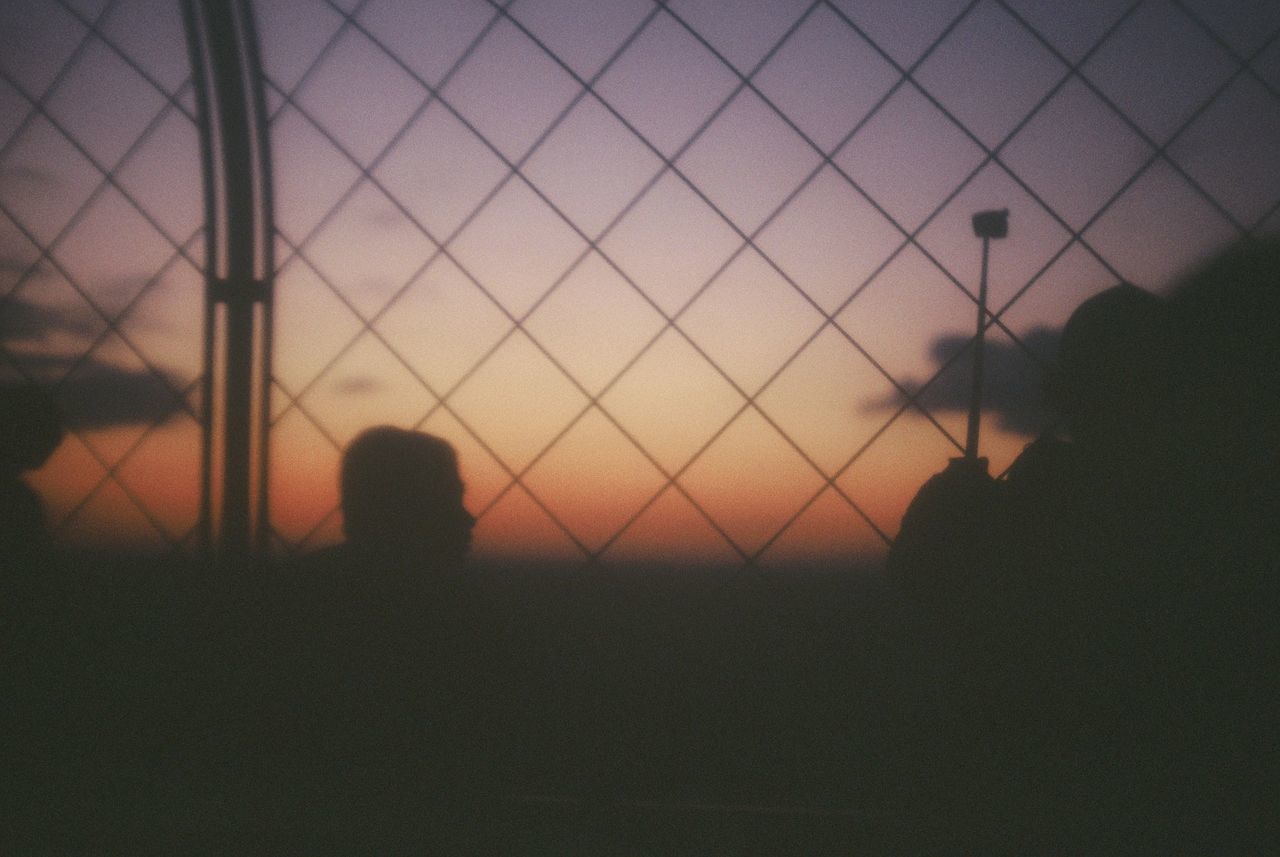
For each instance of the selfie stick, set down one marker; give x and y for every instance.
(986, 225)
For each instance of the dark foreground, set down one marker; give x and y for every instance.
(152, 708)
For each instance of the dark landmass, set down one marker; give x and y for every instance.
(155, 707)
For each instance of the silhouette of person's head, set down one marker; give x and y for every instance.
(401, 492)
(1113, 371)
(1228, 318)
(30, 429)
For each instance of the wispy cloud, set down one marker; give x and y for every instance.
(357, 385)
(1011, 380)
(98, 395)
(32, 177)
(95, 394)
(23, 321)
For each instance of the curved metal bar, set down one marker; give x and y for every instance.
(239, 266)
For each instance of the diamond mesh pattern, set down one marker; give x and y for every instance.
(531, 226)
(101, 229)
(546, 181)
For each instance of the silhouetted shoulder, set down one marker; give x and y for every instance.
(945, 547)
(1045, 460)
(30, 430)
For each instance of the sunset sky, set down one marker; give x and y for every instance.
(661, 273)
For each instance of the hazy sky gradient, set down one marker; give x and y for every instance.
(723, 262)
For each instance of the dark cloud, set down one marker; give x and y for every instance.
(28, 175)
(1011, 380)
(385, 217)
(95, 394)
(98, 395)
(17, 270)
(359, 385)
(122, 288)
(24, 321)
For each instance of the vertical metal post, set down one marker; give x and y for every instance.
(238, 286)
(986, 225)
(979, 359)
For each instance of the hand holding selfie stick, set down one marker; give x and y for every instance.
(986, 225)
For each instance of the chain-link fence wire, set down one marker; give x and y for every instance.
(101, 227)
(500, 91)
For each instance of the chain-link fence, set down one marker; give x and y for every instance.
(684, 281)
(101, 236)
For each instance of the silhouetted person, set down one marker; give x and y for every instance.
(402, 497)
(1074, 500)
(30, 430)
(1096, 520)
(400, 570)
(1140, 551)
(1220, 624)
(407, 528)
(1227, 421)
(1043, 577)
(392, 664)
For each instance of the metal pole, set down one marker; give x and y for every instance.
(237, 278)
(979, 343)
(986, 225)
